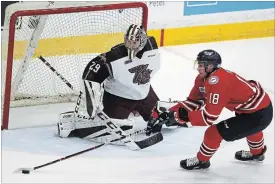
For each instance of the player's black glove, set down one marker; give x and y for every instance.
(178, 118)
(158, 118)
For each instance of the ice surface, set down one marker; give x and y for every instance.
(29, 147)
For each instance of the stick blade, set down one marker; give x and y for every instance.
(150, 141)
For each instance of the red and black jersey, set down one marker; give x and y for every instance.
(227, 89)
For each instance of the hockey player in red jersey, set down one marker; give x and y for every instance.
(216, 88)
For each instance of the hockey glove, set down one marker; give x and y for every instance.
(179, 118)
(180, 115)
(159, 117)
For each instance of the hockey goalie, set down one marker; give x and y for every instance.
(116, 85)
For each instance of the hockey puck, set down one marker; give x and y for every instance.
(25, 171)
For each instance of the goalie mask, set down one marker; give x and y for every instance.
(135, 39)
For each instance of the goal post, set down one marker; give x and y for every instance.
(68, 36)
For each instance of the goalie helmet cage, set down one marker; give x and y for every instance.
(97, 29)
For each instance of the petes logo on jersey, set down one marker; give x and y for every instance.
(213, 80)
(142, 74)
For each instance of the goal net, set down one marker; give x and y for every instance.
(68, 35)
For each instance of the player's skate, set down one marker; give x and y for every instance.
(248, 156)
(194, 163)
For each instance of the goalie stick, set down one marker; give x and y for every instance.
(117, 131)
(56, 73)
(28, 170)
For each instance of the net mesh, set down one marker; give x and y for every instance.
(68, 42)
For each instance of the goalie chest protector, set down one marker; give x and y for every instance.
(131, 78)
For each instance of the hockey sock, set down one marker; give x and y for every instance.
(256, 143)
(210, 144)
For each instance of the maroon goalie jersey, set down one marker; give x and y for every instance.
(224, 88)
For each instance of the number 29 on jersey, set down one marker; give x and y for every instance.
(95, 67)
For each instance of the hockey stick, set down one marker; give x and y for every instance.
(119, 133)
(61, 77)
(56, 72)
(115, 130)
(28, 170)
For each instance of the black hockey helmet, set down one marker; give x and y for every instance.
(209, 56)
(135, 39)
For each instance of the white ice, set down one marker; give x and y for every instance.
(29, 147)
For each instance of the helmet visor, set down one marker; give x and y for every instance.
(195, 64)
(198, 63)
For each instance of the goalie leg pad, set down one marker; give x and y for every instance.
(66, 124)
(103, 136)
(128, 126)
(95, 129)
